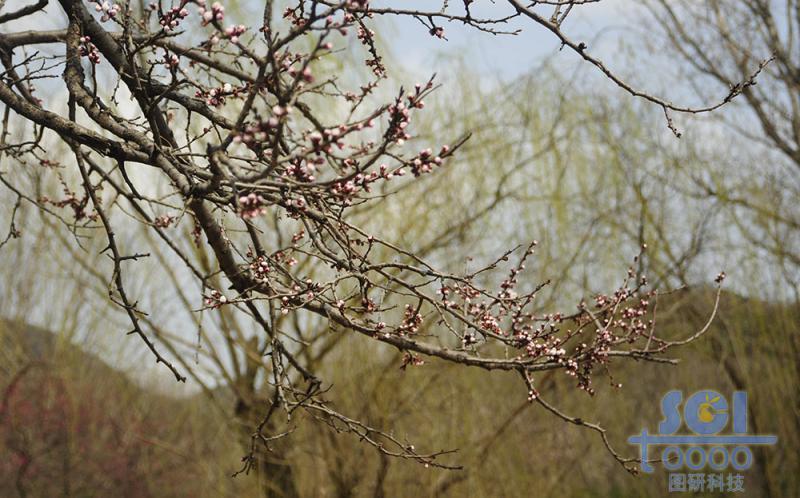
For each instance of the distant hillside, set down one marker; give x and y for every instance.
(71, 425)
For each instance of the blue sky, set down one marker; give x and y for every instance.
(505, 56)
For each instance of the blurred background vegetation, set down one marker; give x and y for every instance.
(554, 156)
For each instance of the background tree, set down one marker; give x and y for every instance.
(756, 181)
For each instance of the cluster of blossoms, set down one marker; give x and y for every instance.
(260, 268)
(170, 19)
(365, 34)
(282, 257)
(525, 335)
(611, 330)
(87, 49)
(256, 133)
(215, 299)
(163, 221)
(400, 116)
(289, 58)
(466, 292)
(508, 285)
(616, 319)
(233, 32)
(583, 372)
(358, 5)
(324, 142)
(317, 143)
(295, 16)
(468, 339)
(171, 60)
(415, 101)
(301, 171)
(341, 27)
(349, 189)
(491, 314)
(305, 74)
(281, 111)
(365, 90)
(215, 13)
(305, 293)
(252, 206)
(296, 19)
(551, 348)
(630, 324)
(426, 161)
(412, 320)
(296, 206)
(367, 38)
(109, 10)
(368, 305)
(411, 359)
(216, 96)
(285, 305)
(297, 237)
(534, 349)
